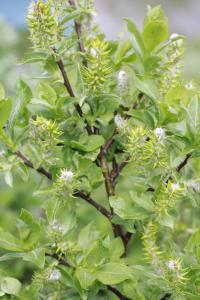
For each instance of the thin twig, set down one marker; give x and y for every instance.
(184, 162)
(79, 194)
(117, 293)
(178, 169)
(106, 173)
(69, 89)
(65, 78)
(60, 260)
(29, 164)
(78, 29)
(117, 170)
(98, 206)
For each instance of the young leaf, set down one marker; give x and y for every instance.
(155, 28)
(113, 273)
(11, 286)
(5, 110)
(132, 28)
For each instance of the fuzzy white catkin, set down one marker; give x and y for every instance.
(56, 226)
(175, 186)
(122, 82)
(189, 85)
(67, 175)
(2, 152)
(54, 275)
(93, 52)
(160, 133)
(194, 185)
(119, 121)
(171, 264)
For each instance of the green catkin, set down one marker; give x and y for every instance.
(146, 149)
(171, 66)
(43, 24)
(99, 71)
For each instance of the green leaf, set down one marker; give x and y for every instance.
(34, 57)
(155, 28)
(116, 249)
(11, 286)
(2, 92)
(85, 277)
(36, 256)
(31, 233)
(9, 242)
(24, 96)
(87, 235)
(147, 86)
(47, 93)
(126, 209)
(92, 143)
(132, 28)
(113, 273)
(5, 110)
(8, 178)
(10, 256)
(96, 255)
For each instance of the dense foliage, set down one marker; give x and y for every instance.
(111, 127)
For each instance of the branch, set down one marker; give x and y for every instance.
(29, 164)
(70, 90)
(117, 293)
(79, 194)
(98, 206)
(78, 29)
(184, 162)
(178, 169)
(65, 78)
(106, 173)
(117, 170)
(60, 260)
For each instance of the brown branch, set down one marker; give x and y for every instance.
(98, 206)
(78, 29)
(106, 173)
(117, 229)
(117, 170)
(29, 164)
(60, 260)
(117, 293)
(79, 194)
(184, 162)
(178, 169)
(69, 89)
(65, 78)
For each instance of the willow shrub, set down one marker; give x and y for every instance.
(112, 127)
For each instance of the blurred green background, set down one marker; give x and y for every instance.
(184, 16)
